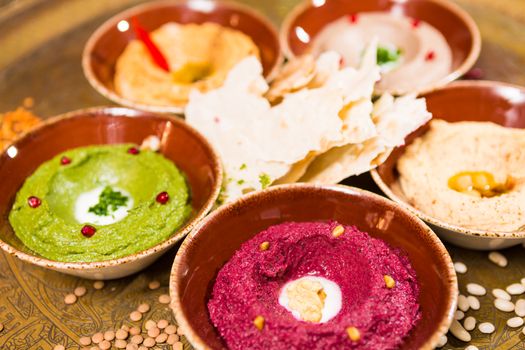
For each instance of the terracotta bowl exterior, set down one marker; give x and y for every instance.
(107, 43)
(215, 239)
(455, 24)
(179, 143)
(482, 101)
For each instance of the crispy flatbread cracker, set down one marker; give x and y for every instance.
(394, 119)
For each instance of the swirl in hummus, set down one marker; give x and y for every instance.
(469, 174)
(412, 53)
(315, 285)
(199, 57)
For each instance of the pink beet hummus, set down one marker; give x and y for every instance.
(250, 283)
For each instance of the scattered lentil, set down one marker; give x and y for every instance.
(460, 267)
(109, 335)
(264, 246)
(134, 330)
(459, 315)
(504, 305)
(486, 327)
(473, 302)
(338, 231)
(120, 343)
(172, 338)
(171, 329)
(131, 346)
(180, 331)
(104, 345)
(153, 332)
(459, 332)
(142, 347)
(520, 307)
(442, 341)
(149, 342)
(463, 304)
(143, 308)
(164, 299)
(161, 338)
(154, 285)
(137, 339)
(162, 324)
(498, 259)
(97, 338)
(59, 347)
(85, 341)
(476, 289)
(124, 327)
(471, 347)
(516, 289)
(121, 334)
(515, 322)
(353, 333)
(98, 284)
(135, 316)
(70, 299)
(469, 323)
(178, 346)
(80, 291)
(501, 294)
(150, 324)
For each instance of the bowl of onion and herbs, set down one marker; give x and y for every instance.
(89, 163)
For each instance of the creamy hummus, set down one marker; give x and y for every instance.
(449, 150)
(413, 54)
(100, 202)
(199, 57)
(315, 285)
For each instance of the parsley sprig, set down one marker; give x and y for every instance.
(108, 201)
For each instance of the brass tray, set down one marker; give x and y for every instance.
(40, 48)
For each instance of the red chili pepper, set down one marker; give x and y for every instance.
(153, 50)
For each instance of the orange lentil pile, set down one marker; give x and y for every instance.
(13, 123)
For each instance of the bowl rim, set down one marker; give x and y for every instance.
(467, 232)
(137, 9)
(463, 68)
(122, 112)
(174, 283)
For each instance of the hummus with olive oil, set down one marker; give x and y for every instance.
(470, 174)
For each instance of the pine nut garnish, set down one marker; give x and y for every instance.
(338, 231)
(353, 333)
(264, 246)
(389, 281)
(259, 322)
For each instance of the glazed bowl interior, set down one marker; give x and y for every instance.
(98, 126)
(213, 242)
(456, 25)
(108, 42)
(481, 101)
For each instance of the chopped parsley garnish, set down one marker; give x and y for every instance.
(108, 201)
(385, 55)
(243, 166)
(264, 180)
(240, 182)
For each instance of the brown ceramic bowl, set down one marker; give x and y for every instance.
(179, 143)
(455, 24)
(482, 101)
(213, 242)
(107, 43)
